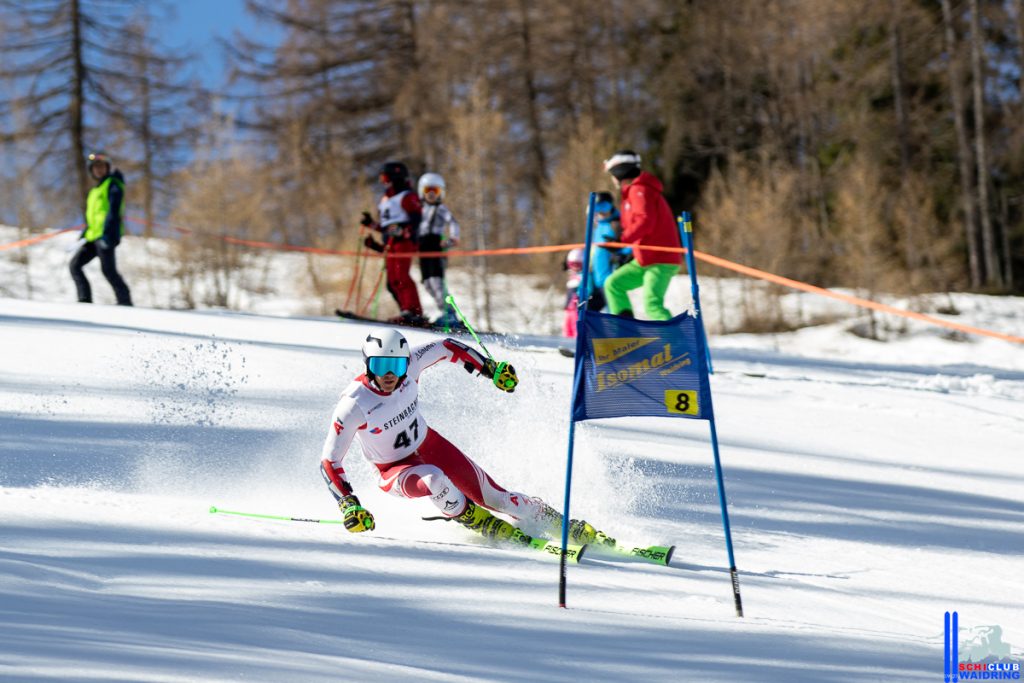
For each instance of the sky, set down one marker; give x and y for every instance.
(197, 24)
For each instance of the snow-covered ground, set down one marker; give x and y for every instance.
(872, 487)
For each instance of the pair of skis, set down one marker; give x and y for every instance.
(422, 325)
(655, 554)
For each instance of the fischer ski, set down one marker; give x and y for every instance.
(605, 545)
(573, 553)
(655, 554)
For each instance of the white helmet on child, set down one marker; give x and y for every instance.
(385, 350)
(574, 259)
(431, 180)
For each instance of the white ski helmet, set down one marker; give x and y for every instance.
(385, 350)
(574, 259)
(624, 164)
(431, 180)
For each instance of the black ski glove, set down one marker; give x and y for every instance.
(367, 220)
(373, 244)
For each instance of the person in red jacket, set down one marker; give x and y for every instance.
(646, 221)
(400, 213)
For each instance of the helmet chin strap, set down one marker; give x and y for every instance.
(373, 378)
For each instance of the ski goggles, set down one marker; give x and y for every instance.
(433, 189)
(382, 365)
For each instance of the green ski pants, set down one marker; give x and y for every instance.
(654, 279)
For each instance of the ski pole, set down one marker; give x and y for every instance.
(215, 509)
(383, 270)
(506, 384)
(450, 300)
(375, 294)
(548, 547)
(358, 276)
(447, 318)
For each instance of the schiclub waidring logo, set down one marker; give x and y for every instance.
(981, 655)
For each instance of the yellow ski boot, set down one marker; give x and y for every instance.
(480, 519)
(580, 532)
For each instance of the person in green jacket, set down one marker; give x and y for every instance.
(104, 225)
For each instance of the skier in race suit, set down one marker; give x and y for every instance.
(400, 215)
(381, 409)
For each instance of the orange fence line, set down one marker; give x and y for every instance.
(821, 291)
(38, 238)
(509, 251)
(856, 301)
(707, 258)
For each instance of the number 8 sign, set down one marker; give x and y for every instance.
(681, 402)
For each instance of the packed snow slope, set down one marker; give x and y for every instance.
(872, 487)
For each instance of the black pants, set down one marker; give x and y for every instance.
(431, 266)
(108, 264)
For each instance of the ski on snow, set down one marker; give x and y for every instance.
(426, 325)
(574, 553)
(349, 315)
(655, 554)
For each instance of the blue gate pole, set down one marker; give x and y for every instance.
(581, 311)
(725, 514)
(687, 234)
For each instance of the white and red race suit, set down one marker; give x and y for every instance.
(413, 459)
